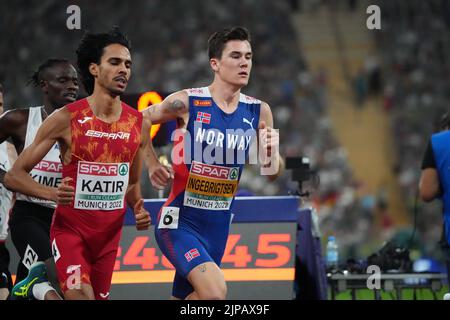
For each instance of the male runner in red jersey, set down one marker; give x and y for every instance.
(102, 141)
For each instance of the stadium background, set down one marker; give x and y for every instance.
(359, 103)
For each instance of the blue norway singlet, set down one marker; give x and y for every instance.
(192, 226)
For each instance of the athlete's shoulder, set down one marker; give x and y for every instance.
(248, 99)
(61, 115)
(15, 117)
(77, 105)
(265, 108)
(182, 95)
(16, 114)
(444, 135)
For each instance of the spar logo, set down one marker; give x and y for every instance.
(100, 169)
(234, 172)
(123, 169)
(49, 166)
(215, 172)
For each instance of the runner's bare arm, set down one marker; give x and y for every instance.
(429, 185)
(268, 141)
(10, 121)
(134, 195)
(18, 179)
(175, 106)
(159, 174)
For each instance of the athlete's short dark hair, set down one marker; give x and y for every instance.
(1, 88)
(37, 76)
(217, 41)
(90, 51)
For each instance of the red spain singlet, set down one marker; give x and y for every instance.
(85, 235)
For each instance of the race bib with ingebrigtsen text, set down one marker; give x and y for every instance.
(211, 187)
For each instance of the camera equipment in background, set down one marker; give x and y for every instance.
(302, 173)
(391, 258)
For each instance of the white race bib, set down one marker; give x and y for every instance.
(211, 187)
(169, 218)
(101, 186)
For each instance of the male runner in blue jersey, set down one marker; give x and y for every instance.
(220, 124)
(435, 180)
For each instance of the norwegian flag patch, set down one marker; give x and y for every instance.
(203, 117)
(191, 254)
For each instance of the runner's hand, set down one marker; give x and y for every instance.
(160, 176)
(65, 192)
(269, 139)
(142, 216)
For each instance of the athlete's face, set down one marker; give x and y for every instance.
(60, 84)
(114, 70)
(235, 64)
(1, 103)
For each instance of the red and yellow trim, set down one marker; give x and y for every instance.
(166, 276)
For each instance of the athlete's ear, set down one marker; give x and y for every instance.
(44, 85)
(93, 69)
(214, 64)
